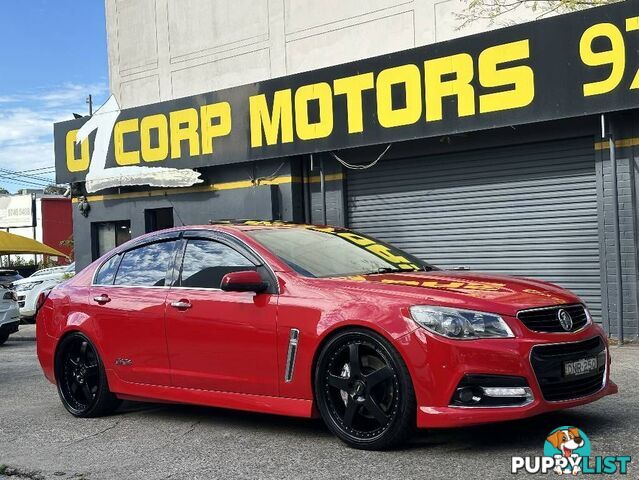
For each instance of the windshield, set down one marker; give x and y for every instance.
(329, 252)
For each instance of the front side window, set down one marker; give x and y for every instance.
(146, 266)
(206, 262)
(333, 252)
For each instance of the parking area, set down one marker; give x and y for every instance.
(39, 439)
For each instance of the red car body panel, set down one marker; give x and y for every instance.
(229, 348)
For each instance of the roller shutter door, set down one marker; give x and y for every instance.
(528, 210)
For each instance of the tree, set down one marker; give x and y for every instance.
(55, 189)
(494, 10)
(4, 191)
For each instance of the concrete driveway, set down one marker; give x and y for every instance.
(39, 439)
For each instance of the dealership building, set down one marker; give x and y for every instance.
(508, 151)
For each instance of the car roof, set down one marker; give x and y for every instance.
(223, 226)
(248, 225)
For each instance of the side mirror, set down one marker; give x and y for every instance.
(244, 281)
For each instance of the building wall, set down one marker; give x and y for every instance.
(162, 49)
(626, 133)
(266, 190)
(56, 223)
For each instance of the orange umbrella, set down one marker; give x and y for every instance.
(11, 244)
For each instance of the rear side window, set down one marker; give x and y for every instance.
(146, 266)
(206, 262)
(106, 274)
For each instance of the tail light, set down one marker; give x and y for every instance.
(10, 295)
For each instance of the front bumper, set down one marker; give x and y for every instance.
(438, 365)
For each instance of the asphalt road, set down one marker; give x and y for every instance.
(39, 439)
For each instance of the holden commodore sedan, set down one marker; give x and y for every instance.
(304, 321)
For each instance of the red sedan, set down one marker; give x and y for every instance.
(303, 320)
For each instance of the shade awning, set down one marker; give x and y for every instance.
(11, 244)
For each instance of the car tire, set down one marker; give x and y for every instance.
(81, 379)
(3, 338)
(364, 391)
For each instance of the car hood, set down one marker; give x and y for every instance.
(41, 278)
(485, 292)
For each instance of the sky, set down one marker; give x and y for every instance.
(53, 53)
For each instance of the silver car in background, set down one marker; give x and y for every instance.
(9, 313)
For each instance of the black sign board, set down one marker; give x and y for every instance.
(566, 66)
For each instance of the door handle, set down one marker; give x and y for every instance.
(181, 305)
(102, 299)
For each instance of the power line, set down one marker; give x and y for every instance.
(19, 174)
(22, 182)
(33, 170)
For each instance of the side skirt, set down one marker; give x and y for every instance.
(293, 407)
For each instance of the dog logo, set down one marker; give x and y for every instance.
(567, 451)
(569, 443)
(565, 320)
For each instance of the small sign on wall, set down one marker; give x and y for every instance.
(16, 211)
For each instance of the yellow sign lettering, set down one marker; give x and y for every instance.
(160, 124)
(320, 92)
(520, 79)
(220, 111)
(409, 77)
(75, 164)
(353, 88)
(271, 123)
(183, 125)
(615, 56)
(460, 65)
(123, 157)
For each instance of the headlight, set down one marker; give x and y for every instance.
(588, 315)
(26, 286)
(460, 324)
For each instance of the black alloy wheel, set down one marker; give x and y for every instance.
(364, 391)
(82, 383)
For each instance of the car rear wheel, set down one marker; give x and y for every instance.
(81, 380)
(364, 391)
(3, 338)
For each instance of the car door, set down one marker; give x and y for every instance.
(128, 298)
(218, 340)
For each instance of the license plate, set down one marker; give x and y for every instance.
(582, 366)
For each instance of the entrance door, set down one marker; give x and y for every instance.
(218, 340)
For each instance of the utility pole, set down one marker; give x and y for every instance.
(90, 103)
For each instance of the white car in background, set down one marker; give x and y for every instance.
(9, 313)
(29, 289)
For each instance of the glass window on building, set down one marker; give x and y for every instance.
(108, 235)
(158, 219)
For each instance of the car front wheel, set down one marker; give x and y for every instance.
(81, 380)
(364, 391)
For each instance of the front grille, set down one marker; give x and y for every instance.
(547, 319)
(21, 300)
(548, 363)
